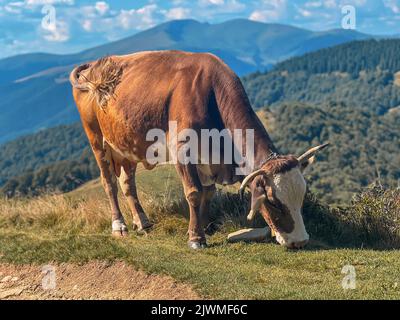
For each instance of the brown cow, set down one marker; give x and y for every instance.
(121, 98)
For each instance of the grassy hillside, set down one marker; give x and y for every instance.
(75, 228)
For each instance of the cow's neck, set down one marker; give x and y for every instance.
(263, 146)
(236, 113)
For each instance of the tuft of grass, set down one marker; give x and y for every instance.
(371, 220)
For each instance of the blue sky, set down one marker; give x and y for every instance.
(83, 24)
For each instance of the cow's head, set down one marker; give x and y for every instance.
(277, 191)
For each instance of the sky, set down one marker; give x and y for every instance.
(67, 26)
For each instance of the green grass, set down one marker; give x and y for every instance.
(75, 228)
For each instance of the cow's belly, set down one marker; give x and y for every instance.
(206, 176)
(133, 154)
(216, 174)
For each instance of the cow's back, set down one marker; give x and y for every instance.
(154, 88)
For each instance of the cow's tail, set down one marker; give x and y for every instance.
(75, 80)
(100, 79)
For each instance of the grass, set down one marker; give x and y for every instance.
(76, 228)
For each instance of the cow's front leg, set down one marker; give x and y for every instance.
(128, 187)
(193, 193)
(207, 195)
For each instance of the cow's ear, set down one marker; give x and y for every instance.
(258, 196)
(306, 163)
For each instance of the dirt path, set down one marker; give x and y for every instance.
(94, 280)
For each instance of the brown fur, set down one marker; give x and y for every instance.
(152, 88)
(281, 164)
(105, 80)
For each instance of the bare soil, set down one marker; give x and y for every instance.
(93, 280)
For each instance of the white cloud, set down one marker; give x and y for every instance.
(258, 15)
(59, 34)
(87, 25)
(233, 6)
(10, 8)
(138, 19)
(17, 7)
(102, 7)
(177, 13)
(34, 3)
(178, 2)
(211, 2)
(100, 18)
(330, 4)
(392, 5)
(210, 8)
(305, 13)
(271, 10)
(313, 4)
(17, 4)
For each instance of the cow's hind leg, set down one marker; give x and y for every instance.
(128, 187)
(193, 193)
(102, 153)
(109, 182)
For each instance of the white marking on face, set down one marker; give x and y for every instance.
(290, 188)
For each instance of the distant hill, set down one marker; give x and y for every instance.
(364, 149)
(35, 151)
(360, 73)
(34, 88)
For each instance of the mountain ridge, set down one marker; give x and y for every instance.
(35, 93)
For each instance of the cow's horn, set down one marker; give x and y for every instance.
(251, 215)
(248, 179)
(308, 154)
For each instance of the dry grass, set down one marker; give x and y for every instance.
(372, 220)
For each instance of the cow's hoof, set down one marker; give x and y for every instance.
(196, 245)
(119, 229)
(145, 229)
(120, 233)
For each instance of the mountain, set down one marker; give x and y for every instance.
(348, 95)
(35, 92)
